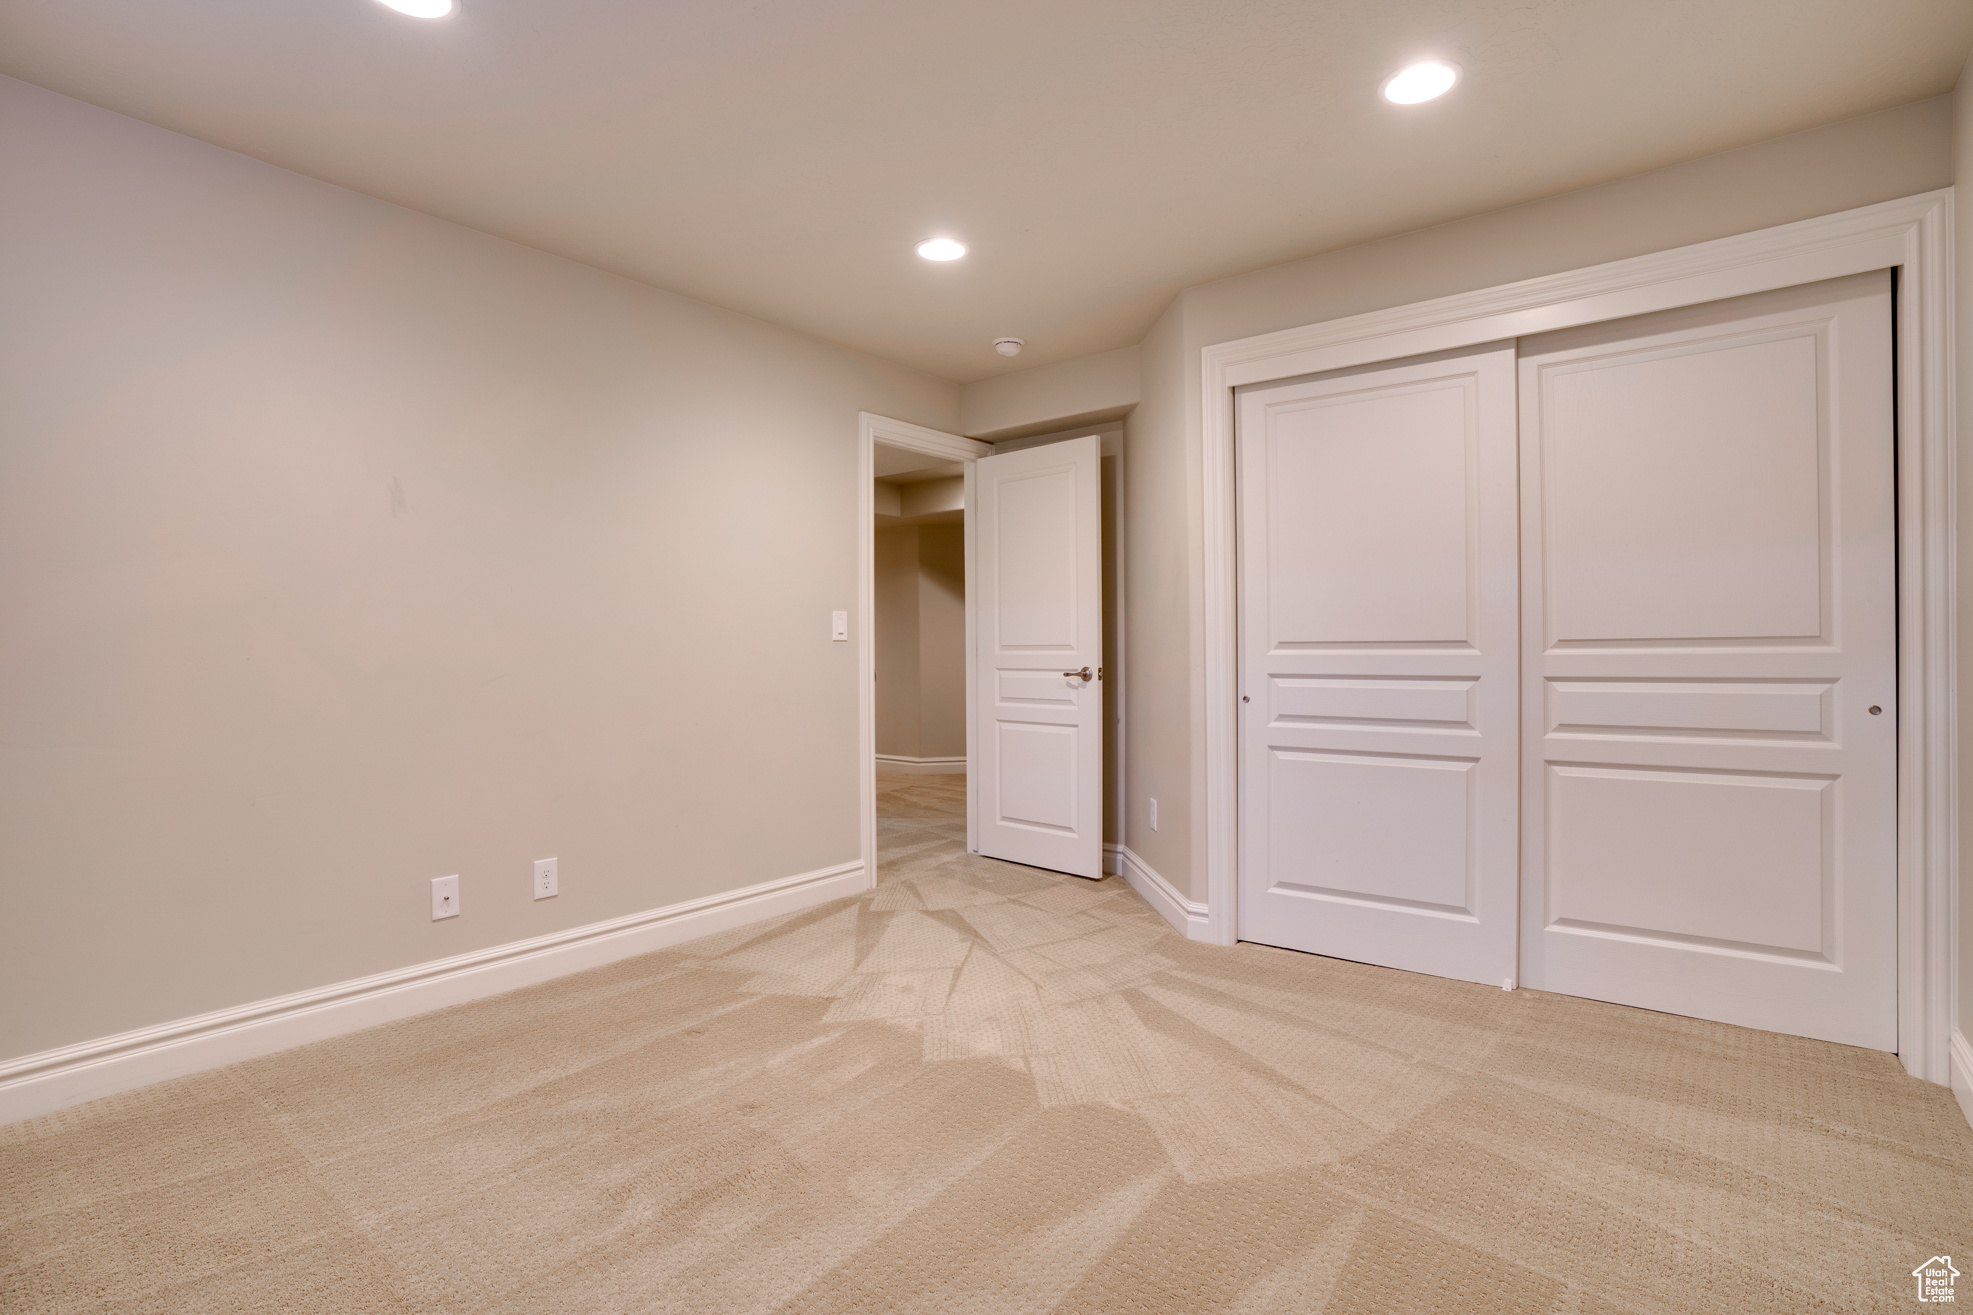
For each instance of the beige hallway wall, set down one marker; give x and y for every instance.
(895, 626)
(942, 640)
(1086, 390)
(921, 640)
(342, 548)
(1839, 166)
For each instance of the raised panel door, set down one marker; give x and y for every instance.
(1039, 617)
(1709, 621)
(1378, 664)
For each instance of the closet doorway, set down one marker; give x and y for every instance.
(1571, 661)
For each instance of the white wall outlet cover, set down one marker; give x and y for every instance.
(445, 897)
(546, 884)
(1154, 815)
(839, 626)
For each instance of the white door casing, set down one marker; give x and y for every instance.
(1038, 582)
(1709, 616)
(873, 430)
(1378, 664)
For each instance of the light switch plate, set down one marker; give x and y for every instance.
(546, 883)
(839, 626)
(445, 897)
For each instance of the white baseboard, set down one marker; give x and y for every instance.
(1113, 860)
(1962, 1073)
(891, 762)
(56, 1079)
(1181, 913)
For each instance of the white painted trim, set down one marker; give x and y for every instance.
(1912, 235)
(1962, 1073)
(56, 1079)
(871, 430)
(971, 569)
(892, 762)
(1120, 544)
(1188, 918)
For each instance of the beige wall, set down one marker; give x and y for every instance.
(1962, 162)
(1877, 157)
(1086, 390)
(1838, 166)
(1162, 636)
(894, 624)
(942, 640)
(342, 548)
(921, 640)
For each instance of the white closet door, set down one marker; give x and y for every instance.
(1378, 725)
(1710, 706)
(1039, 627)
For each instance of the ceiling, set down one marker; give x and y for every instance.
(780, 157)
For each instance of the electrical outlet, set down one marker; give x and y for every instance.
(1154, 815)
(545, 886)
(445, 897)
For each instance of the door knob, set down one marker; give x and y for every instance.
(1084, 673)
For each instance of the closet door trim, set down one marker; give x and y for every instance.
(1911, 236)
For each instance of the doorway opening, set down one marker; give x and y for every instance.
(918, 596)
(977, 716)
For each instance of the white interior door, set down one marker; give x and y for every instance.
(1038, 621)
(1710, 704)
(1378, 664)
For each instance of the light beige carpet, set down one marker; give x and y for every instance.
(987, 1088)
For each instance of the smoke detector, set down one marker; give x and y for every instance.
(1009, 346)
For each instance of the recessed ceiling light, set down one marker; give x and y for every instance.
(1420, 82)
(423, 8)
(941, 248)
